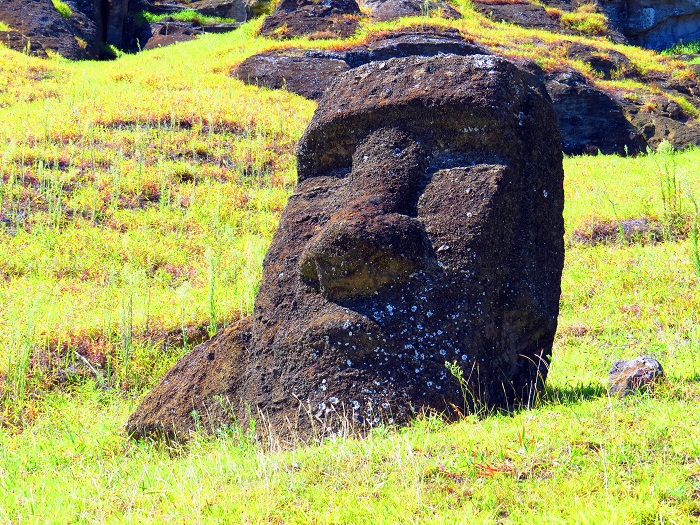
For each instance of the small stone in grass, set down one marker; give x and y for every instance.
(626, 377)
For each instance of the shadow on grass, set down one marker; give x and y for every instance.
(562, 395)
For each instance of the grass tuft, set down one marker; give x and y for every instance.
(63, 8)
(683, 48)
(586, 20)
(187, 15)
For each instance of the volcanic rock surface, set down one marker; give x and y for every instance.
(658, 24)
(309, 72)
(426, 228)
(392, 9)
(590, 119)
(518, 12)
(330, 19)
(38, 24)
(655, 24)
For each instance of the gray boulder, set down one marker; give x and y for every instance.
(626, 377)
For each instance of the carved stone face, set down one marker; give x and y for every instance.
(426, 229)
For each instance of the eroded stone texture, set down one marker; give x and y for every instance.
(426, 228)
(38, 23)
(658, 24)
(310, 72)
(392, 9)
(330, 19)
(591, 120)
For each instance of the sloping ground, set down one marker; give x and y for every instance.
(610, 98)
(126, 185)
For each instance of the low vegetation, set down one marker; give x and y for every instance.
(684, 48)
(187, 15)
(586, 20)
(137, 200)
(62, 8)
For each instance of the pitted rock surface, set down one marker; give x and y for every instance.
(392, 9)
(519, 12)
(426, 228)
(309, 72)
(39, 25)
(331, 19)
(591, 120)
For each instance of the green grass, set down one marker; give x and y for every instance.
(684, 48)
(187, 15)
(137, 199)
(62, 8)
(4, 27)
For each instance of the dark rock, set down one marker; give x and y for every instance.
(115, 17)
(415, 42)
(426, 228)
(238, 10)
(232, 9)
(659, 24)
(590, 119)
(660, 119)
(330, 19)
(655, 24)
(517, 12)
(302, 73)
(608, 64)
(392, 9)
(309, 73)
(39, 22)
(168, 32)
(626, 377)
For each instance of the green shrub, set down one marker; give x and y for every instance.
(683, 48)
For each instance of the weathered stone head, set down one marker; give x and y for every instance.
(426, 229)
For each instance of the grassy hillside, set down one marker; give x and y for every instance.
(138, 198)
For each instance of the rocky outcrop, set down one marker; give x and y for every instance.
(114, 14)
(659, 119)
(608, 64)
(237, 10)
(426, 228)
(331, 19)
(309, 72)
(655, 24)
(659, 24)
(392, 9)
(518, 12)
(39, 24)
(591, 120)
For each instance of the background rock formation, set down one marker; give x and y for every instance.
(426, 228)
(591, 119)
(309, 72)
(38, 24)
(331, 19)
(93, 24)
(658, 24)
